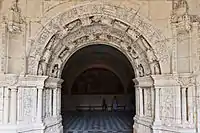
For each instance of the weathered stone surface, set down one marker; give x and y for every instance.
(36, 44)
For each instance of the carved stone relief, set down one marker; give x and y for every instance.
(148, 102)
(141, 70)
(28, 105)
(167, 108)
(80, 37)
(72, 22)
(16, 20)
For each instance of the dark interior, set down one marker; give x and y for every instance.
(96, 78)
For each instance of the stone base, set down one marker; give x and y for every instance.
(48, 126)
(165, 129)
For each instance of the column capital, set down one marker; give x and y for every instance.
(53, 83)
(143, 81)
(13, 88)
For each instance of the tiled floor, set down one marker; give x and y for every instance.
(97, 122)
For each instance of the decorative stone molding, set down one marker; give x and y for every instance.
(66, 23)
(143, 81)
(163, 81)
(21, 80)
(53, 83)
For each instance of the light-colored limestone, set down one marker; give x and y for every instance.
(36, 35)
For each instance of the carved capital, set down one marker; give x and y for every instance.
(143, 81)
(53, 83)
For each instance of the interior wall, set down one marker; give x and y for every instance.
(69, 102)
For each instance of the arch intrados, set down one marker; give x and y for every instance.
(96, 66)
(109, 44)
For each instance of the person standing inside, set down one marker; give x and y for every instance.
(114, 104)
(104, 105)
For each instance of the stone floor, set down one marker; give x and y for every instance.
(97, 122)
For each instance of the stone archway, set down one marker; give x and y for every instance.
(101, 23)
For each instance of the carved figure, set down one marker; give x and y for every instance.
(141, 70)
(157, 69)
(150, 55)
(55, 71)
(42, 68)
(15, 18)
(63, 52)
(52, 42)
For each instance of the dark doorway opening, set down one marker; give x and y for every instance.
(98, 94)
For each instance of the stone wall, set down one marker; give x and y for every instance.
(172, 30)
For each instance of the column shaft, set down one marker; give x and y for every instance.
(178, 105)
(13, 111)
(184, 112)
(157, 107)
(137, 101)
(59, 102)
(6, 106)
(141, 102)
(55, 102)
(40, 105)
(50, 102)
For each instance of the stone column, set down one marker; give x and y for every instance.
(55, 91)
(40, 104)
(157, 120)
(141, 102)
(13, 105)
(178, 105)
(184, 112)
(59, 101)
(137, 94)
(152, 101)
(50, 102)
(6, 106)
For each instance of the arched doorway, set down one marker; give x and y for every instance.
(79, 27)
(95, 77)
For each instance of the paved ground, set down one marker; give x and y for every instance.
(98, 122)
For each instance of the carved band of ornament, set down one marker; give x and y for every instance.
(82, 36)
(68, 17)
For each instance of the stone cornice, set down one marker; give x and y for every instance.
(161, 81)
(22, 81)
(157, 81)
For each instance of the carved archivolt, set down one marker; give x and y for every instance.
(68, 32)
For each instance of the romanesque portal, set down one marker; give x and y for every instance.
(118, 41)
